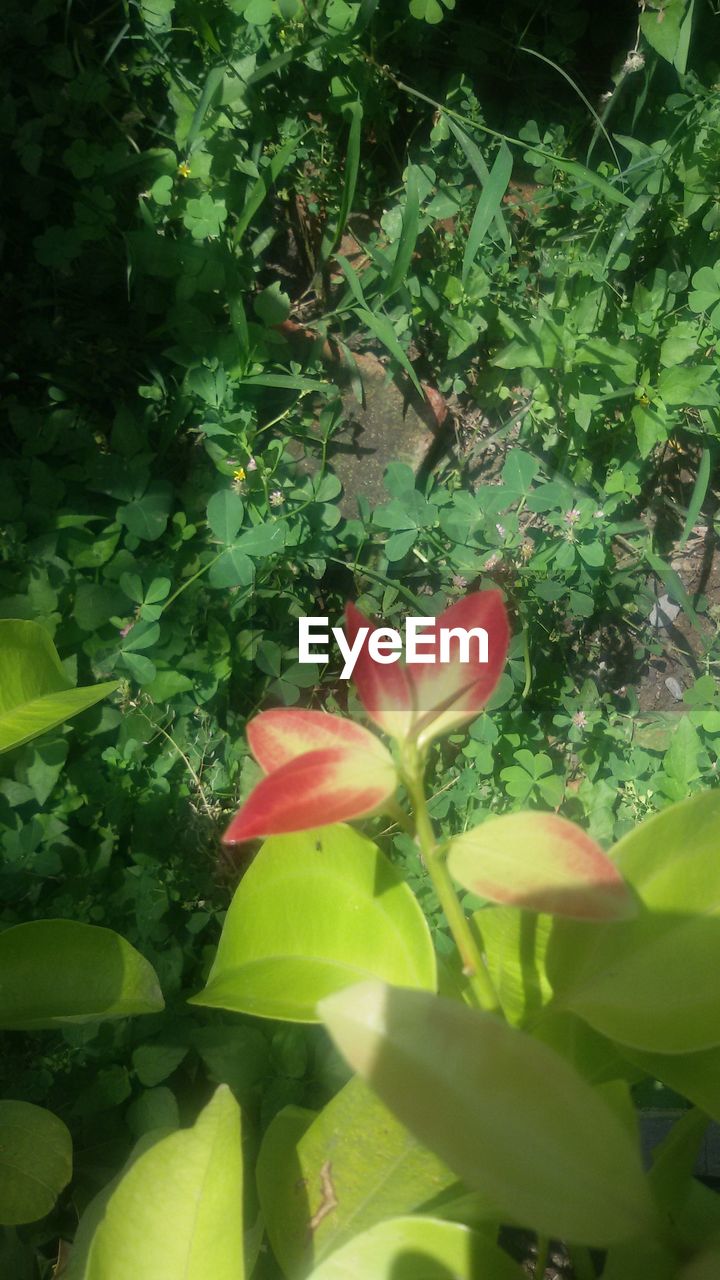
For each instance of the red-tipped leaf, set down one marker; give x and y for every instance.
(278, 736)
(384, 689)
(540, 862)
(448, 694)
(315, 789)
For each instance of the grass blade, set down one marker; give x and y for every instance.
(261, 189)
(212, 84)
(683, 47)
(384, 332)
(331, 240)
(673, 584)
(476, 160)
(488, 206)
(408, 234)
(698, 497)
(599, 124)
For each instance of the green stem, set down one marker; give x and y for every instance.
(459, 925)
(543, 1257)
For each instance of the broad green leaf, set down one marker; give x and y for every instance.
(58, 971)
(225, 512)
(418, 1249)
(316, 911)
(35, 1161)
(356, 1153)
(233, 569)
(281, 1192)
(505, 1112)
(264, 540)
(514, 943)
(541, 862)
(649, 983)
(661, 26)
(178, 1209)
(94, 1211)
(489, 207)
(519, 471)
(688, 385)
(272, 305)
(35, 693)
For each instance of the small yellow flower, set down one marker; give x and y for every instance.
(184, 169)
(239, 474)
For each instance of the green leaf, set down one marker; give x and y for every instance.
(493, 1103)
(272, 305)
(277, 1175)
(225, 512)
(264, 540)
(315, 912)
(35, 693)
(332, 239)
(661, 27)
(519, 471)
(147, 517)
(698, 497)
(649, 983)
(687, 385)
(178, 1209)
(59, 971)
(567, 874)
(378, 1169)
(476, 160)
(35, 1161)
(233, 569)
(419, 1248)
(141, 669)
(408, 235)
(489, 207)
(384, 332)
(261, 188)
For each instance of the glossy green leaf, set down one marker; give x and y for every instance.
(315, 912)
(356, 1153)
(35, 1161)
(514, 943)
(178, 1209)
(650, 982)
(418, 1249)
(281, 1192)
(505, 1112)
(541, 862)
(35, 693)
(58, 971)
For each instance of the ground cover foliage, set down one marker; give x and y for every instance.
(517, 209)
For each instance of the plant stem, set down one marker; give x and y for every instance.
(465, 940)
(543, 1257)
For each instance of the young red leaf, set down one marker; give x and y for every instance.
(276, 737)
(385, 690)
(540, 862)
(429, 698)
(449, 694)
(315, 789)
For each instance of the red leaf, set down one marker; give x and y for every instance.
(540, 862)
(385, 691)
(283, 734)
(313, 790)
